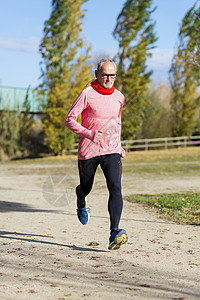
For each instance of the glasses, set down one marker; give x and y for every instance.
(105, 76)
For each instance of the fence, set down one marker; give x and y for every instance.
(159, 143)
(163, 143)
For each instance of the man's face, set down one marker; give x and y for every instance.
(108, 68)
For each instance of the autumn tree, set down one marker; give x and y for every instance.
(25, 125)
(185, 75)
(156, 123)
(135, 33)
(9, 133)
(64, 69)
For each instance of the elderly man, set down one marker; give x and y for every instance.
(100, 107)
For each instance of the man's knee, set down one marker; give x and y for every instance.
(114, 187)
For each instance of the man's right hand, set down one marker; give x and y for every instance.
(98, 136)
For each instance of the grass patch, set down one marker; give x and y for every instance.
(181, 162)
(170, 155)
(48, 160)
(190, 154)
(163, 168)
(182, 208)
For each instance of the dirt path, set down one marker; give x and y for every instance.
(47, 254)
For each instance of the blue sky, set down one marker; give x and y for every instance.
(21, 29)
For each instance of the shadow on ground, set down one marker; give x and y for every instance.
(7, 206)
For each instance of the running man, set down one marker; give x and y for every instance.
(100, 107)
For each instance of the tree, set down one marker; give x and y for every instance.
(16, 128)
(185, 76)
(64, 69)
(135, 33)
(25, 125)
(9, 132)
(156, 122)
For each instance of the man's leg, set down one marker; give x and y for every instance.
(112, 168)
(87, 169)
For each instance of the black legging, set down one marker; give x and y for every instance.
(112, 168)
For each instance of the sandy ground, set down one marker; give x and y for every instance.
(47, 254)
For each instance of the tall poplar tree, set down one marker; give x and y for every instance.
(64, 69)
(185, 75)
(135, 34)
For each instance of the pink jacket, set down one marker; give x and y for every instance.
(98, 112)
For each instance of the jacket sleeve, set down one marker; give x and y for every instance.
(71, 120)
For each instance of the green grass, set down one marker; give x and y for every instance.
(163, 168)
(190, 154)
(48, 160)
(184, 161)
(182, 208)
(174, 163)
(170, 155)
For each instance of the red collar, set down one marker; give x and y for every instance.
(100, 89)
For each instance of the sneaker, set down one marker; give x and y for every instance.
(83, 214)
(117, 238)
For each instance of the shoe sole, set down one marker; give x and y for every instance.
(118, 241)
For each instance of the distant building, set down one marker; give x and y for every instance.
(13, 98)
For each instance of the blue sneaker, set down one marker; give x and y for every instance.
(83, 214)
(117, 238)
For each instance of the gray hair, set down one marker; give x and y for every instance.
(102, 61)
